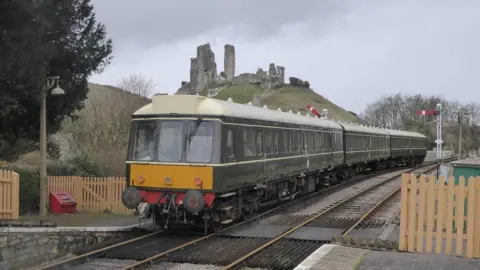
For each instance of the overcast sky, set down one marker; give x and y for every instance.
(351, 52)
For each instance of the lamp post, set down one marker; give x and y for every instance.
(51, 82)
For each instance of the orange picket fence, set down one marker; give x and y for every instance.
(439, 217)
(9, 194)
(93, 194)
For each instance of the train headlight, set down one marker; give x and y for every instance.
(167, 180)
(198, 181)
(141, 179)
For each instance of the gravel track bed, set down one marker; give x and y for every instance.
(358, 206)
(284, 254)
(388, 210)
(295, 214)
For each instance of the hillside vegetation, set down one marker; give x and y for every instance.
(287, 98)
(96, 142)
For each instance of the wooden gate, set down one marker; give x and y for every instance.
(448, 213)
(9, 194)
(93, 194)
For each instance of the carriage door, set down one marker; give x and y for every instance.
(306, 145)
(260, 149)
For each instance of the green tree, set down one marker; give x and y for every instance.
(39, 38)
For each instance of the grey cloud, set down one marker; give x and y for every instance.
(151, 22)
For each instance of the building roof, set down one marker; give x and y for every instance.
(200, 105)
(469, 162)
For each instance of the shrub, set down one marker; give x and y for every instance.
(222, 74)
(81, 164)
(296, 81)
(306, 84)
(29, 189)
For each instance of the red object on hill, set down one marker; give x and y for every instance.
(62, 203)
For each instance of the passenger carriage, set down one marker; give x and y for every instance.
(206, 162)
(365, 147)
(407, 147)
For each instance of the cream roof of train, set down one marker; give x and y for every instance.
(363, 129)
(200, 105)
(395, 132)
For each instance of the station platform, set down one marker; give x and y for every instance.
(331, 256)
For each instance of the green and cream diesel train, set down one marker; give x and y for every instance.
(206, 162)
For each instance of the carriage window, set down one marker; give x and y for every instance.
(258, 140)
(230, 151)
(200, 146)
(268, 142)
(275, 143)
(170, 142)
(285, 142)
(145, 140)
(299, 146)
(310, 141)
(249, 142)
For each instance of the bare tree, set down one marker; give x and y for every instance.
(137, 84)
(103, 127)
(473, 109)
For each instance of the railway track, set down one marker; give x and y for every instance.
(278, 248)
(189, 248)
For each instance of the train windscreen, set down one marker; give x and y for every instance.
(199, 147)
(163, 141)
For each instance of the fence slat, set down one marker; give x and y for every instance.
(421, 212)
(450, 194)
(459, 214)
(476, 236)
(430, 212)
(412, 214)
(470, 217)
(440, 215)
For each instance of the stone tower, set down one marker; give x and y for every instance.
(203, 69)
(229, 61)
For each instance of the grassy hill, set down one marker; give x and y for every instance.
(287, 98)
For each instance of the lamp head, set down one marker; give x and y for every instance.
(57, 91)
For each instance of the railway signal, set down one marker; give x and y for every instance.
(436, 112)
(315, 112)
(427, 112)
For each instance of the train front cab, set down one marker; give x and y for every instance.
(168, 165)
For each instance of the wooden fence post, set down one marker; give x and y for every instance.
(402, 245)
(470, 217)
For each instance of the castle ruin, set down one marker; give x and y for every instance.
(203, 73)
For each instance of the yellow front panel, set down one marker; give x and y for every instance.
(179, 177)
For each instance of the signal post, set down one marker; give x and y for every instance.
(438, 113)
